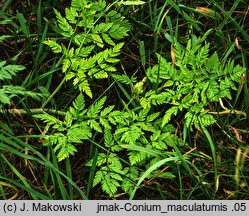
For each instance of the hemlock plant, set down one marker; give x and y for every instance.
(191, 83)
(90, 49)
(133, 140)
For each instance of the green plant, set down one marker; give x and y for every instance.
(190, 83)
(130, 129)
(90, 47)
(88, 29)
(140, 132)
(8, 91)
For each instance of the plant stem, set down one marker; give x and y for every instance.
(227, 111)
(53, 94)
(33, 111)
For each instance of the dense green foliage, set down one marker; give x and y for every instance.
(131, 128)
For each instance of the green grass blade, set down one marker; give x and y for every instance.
(6, 5)
(19, 175)
(149, 171)
(170, 27)
(143, 149)
(59, 180)
(41, 46)
(174, 5)
(180, 182)
(8, 20)
(69, 174)
(39, 18)
(31, 191)
(158, 26)
(212, 146)
(23, 23)
(142, 53)
(92, 172)
(246, 81)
